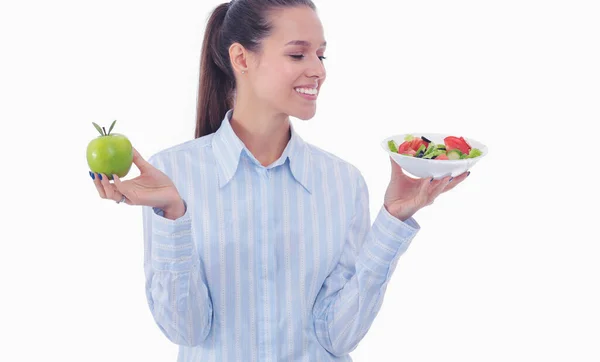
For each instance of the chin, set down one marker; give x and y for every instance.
(304, 114)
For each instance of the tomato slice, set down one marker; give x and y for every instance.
(459, 143)
(404, 146)
(441, 157)
(417, 142)
(465, 142)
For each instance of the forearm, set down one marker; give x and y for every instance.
(180, 305)
(342, 323)
(177, 295)
(346, 308)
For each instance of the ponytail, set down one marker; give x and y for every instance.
(216, 84)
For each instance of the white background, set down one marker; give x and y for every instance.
(505, 267)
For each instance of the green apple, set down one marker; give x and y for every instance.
(110, 153)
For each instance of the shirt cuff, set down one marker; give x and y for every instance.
(390, 237)
(171, 241)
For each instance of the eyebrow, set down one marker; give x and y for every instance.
(304, 43)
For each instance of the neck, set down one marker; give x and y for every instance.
(264, 133)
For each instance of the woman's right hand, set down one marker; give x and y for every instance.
(151, 188)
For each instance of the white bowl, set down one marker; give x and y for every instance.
(426, 168)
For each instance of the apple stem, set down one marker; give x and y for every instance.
(104, 130)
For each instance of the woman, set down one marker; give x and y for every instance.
(259, 246)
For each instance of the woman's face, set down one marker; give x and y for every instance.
(289, 72)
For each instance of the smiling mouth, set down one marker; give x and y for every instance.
(307, 91)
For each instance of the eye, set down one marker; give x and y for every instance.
(300, 56)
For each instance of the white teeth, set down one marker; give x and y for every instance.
(311, 91)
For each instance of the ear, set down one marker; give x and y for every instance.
(238, 55)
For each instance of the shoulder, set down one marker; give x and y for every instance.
(325, 162)
(320, 156)
(178, 151)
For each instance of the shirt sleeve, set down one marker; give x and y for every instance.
(176, 293)
(352, 294)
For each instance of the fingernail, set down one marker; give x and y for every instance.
(451, 178)
(100, 177)
(92, 175)
(430, 181)
(468, 173)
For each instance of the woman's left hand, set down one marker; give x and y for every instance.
(406, 195)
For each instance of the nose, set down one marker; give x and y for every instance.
(317, 69)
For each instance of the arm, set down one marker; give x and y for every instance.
(352, 294)
(177, 295)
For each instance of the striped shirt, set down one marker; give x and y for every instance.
(275, 263)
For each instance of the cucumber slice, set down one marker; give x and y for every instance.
(420, 151)
(454, 154)
(430, 148)
(392, 146)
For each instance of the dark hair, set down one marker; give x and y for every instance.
(242, 21)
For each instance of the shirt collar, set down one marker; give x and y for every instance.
(228, 150)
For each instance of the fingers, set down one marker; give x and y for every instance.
(432, 188)
(399, 175)
(119, 189)
(395, 166)
(123, 189)
(458, 179)
(139, 161)
(438, 186)
(396, 170)
(98, 185)
(110, 191)
(106, 190)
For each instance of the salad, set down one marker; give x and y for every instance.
(454, 148)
